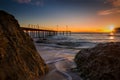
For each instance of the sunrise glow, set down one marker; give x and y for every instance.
(111, 27)
(79, 15)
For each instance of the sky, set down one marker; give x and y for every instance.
(77, 15)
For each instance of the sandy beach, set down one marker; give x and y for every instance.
(60, 62)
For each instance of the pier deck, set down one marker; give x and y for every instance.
(43, 33)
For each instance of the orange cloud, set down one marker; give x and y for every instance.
(115, 4)
(110, 11)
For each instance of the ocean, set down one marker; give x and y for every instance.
(97, 37)
(60, 50)
(62, 45)
(83, 40)
(70, 45)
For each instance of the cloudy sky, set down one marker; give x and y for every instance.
(78, 15)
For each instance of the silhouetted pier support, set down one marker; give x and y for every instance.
(67, 33)
(42, 33)
(39, 33)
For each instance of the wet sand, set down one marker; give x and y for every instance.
(60, 62)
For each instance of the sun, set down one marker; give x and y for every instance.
(111, 28)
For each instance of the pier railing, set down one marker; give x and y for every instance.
(43, 33)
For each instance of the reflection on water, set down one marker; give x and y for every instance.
(112, 34)
(112, 37)
(96, 37)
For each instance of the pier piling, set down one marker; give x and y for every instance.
(43, 33)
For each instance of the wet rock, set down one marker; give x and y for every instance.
(42, 40)
(19, 59)
(99, 63)
(74, 44)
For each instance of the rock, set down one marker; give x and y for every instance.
(99, 63)
(19, 59)
(42, 40)
(71, 44)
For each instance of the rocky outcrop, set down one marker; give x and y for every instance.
(99, 63)
(19, 59)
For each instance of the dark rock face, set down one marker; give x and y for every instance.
(99, 63)
(19, 59)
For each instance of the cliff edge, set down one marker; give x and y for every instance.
(19, 59)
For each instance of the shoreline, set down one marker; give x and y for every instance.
(61, 74)
(59, 61)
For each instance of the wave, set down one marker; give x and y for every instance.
(62, 41)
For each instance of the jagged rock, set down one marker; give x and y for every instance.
(99, 63)
(19, 59)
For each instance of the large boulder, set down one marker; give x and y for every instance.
(99, 63)
(19, 59)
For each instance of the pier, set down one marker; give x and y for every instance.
(36, 32)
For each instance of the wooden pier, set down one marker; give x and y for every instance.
(43, 33)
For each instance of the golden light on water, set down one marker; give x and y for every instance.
(111, 34)
(111, 37)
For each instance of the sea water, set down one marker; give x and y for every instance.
(97, 37)
(69, 45)
(65, 47)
